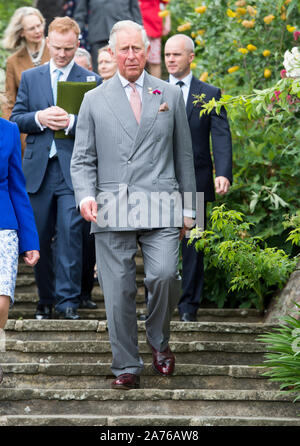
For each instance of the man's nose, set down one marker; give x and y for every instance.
(131, 53)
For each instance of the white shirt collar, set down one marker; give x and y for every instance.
(66, 70)
(187, 79)
(139, 81)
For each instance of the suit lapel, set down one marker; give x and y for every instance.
(46, 83)
(150, 109)
(118, 102)
(195, 88)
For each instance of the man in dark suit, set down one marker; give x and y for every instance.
(101, 15)
(46, 165)
(179, 53)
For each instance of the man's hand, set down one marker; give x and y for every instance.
(89, 210)
(222, 185)
(188, 224)
(55, 118)
(31, 257)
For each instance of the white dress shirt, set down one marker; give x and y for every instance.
(64, 76)
(186, 87)
(139, 83)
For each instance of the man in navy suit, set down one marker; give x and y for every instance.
(179, 53)
(46, 165)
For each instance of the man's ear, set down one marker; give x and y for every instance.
(192, 57)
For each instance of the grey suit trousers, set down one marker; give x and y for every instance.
(115, 253)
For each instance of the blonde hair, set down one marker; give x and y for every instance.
(103, 49)
(12, 34)
(63, 25)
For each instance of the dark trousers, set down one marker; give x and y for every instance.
(192, 276)
(55, 213)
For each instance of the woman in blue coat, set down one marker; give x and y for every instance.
(18, 234)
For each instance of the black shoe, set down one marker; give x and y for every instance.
(88, 303)
(1, 375)
(69, 313)
(188, 317)
(43, 312)
(143, 317)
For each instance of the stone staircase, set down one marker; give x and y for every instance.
(57, 372)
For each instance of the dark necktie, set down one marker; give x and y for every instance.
(180, 83)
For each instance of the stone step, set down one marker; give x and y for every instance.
(84, 347)
(99, 376)
(63, 330)
(102, 402)
(161, 421)
(199, 352)
(203, 314)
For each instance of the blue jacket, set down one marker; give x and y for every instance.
(35, 93)
(15, 209)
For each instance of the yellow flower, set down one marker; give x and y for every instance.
(193, 65)
(269, 18)
(283, 16)
(204, 76)
(200, 42)
(267, 73)
(290, 28)
(266, 53)
(243, 50)
(201, 32)
(200, 9)
(193, 34)
(248, 23)
(230, 13)
(233, 69)
(163, 14)
(251, 47)
(241, 11)
(241, 3)
(251, 11)
(184, 27)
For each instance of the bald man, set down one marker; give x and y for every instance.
(179, 53)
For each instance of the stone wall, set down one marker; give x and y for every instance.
(284, 304)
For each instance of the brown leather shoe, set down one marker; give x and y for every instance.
(126, 381)
(163, 362)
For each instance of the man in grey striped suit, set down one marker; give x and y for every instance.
(133, 176)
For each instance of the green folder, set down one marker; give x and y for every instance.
(69, 97)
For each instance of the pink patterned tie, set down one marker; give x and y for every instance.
(135, 102)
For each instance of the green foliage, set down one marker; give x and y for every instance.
(283, 357)
(264, 114)
(247, 260)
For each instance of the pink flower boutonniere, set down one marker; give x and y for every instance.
(153, 91)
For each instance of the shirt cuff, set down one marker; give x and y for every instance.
(42, 127)
(189, 213)
(71, 123)
(85, 199)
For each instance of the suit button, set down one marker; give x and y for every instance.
(129, 162)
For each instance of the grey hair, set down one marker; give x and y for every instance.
(82, 52)
(12, 35)
(189, 43)
(123, 25)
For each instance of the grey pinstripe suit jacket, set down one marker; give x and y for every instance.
(127, 166)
